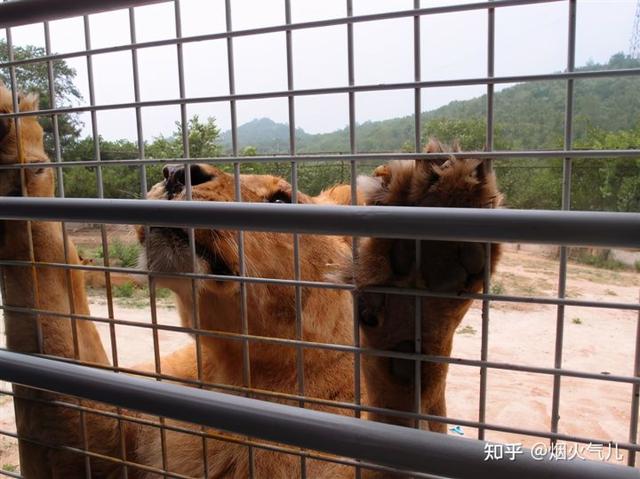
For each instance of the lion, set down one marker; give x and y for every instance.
(270, 311)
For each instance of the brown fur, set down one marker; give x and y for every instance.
(387, 321)
(56, 291)
(270, 312)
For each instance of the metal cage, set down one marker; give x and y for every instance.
(303, 432)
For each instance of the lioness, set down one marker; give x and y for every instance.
(270, 311)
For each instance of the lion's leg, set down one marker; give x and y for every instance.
(388, 322)
(57, 291)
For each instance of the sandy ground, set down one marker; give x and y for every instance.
(595, 340)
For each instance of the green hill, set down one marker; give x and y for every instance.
(527, 116)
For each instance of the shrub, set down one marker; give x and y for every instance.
(124, 291)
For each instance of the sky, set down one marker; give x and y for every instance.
(529, 39)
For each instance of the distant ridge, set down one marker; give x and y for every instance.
(530, 115)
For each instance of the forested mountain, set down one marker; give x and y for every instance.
(527, 116)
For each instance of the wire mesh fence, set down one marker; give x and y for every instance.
(294, 442)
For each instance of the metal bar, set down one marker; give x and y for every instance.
(384, 444)
(448, 224)
(88, 455)
(578, 75)
(635, 399)
(566, 205)
(208, 434)
(417, 112)
(357, 357)
(296, 239)
(486, 284)
(350, 406)
(6, 12)
(23, 12)
(246, 355)
(186, 153)
(103, 232)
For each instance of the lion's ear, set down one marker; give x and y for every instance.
(430, 168)
(28, 102)
(372, 188)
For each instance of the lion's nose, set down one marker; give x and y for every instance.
(175, 175)
(169, 170)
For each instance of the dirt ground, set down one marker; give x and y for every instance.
(596, 340)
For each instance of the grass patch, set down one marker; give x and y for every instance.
(10, 468)
(163, 293)
(636, 265)
(576, 321)
(601, 259)
(497, 288)
(124, 291)
(120, 254)
(132, 295)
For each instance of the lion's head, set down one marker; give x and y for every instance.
(271, 308)
(38, 181)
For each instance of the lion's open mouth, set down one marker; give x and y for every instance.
(217, 264)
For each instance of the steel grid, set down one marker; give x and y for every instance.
(394, 446)
(550, 227)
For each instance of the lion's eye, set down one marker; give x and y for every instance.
(280, 197)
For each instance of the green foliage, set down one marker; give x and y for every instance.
(600, 259)
(126, 253)
(636, 265)
(120, 253)
(34, 77)
(497, 288)
(576, 321)
(125, 290)
(617, 181)
(526, 116)
(467, 330)
(203, 141)
(121, 181)
(249, 151)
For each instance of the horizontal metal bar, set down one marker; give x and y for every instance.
(389, 412)
(4, 472)
(211, 435)
(575, 228)
(502, 155)
(256, 393)
(333, 91)
(90, 454)
(379, 443)
(582, 303)
(23, 12)
(273, 28)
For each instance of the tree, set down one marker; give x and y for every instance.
(34, 77)
(203, 141)
(249, 151)
(121, 181)
(609, 184)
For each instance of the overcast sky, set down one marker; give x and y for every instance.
(529, 39)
